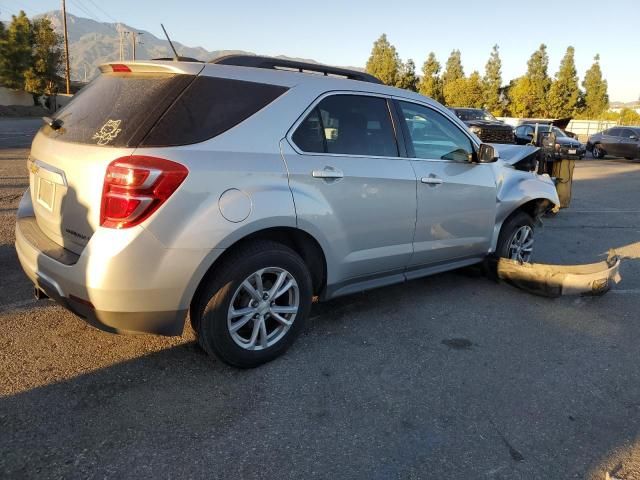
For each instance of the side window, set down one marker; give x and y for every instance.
(614, 132)
(434, 136)
(520, 131)
(626, 133)
(349, 125)
(309, 136)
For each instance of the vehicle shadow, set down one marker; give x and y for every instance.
(381, 385)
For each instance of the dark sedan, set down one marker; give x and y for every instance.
(616, 141)
(565, 147)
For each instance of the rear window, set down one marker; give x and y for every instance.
(209, 107)
(158, 110)
(117, 110)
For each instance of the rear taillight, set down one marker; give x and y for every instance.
(135, 187)
(119, 68)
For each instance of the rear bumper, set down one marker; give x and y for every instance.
(124, 281)
(169, 323)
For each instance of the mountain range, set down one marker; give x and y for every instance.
(92, 43)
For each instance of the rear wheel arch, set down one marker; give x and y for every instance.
(301, 242)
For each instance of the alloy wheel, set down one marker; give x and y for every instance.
(521, 245)
(263, 308)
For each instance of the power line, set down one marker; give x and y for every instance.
(99, 8)
(91, 15)
(81, 7)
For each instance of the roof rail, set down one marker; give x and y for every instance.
(179, 59)
(273, 63)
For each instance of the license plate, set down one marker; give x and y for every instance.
(46, 193)
(572, 151)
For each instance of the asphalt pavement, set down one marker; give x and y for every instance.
(451, 376)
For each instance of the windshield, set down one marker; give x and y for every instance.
(545, 128)
(466, 114)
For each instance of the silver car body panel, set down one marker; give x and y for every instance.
(377, 224)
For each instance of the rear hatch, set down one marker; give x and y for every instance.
(105, 121)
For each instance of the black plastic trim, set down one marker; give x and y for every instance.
(273, 63)
(35, 236)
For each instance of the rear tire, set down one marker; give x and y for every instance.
(254, 305)
(516, 238)
(597, 152)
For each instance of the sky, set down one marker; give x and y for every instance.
(342, 33)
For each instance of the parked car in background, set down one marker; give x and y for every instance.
(616, 141)
(565, 147)
(236, 192)
(487, 127)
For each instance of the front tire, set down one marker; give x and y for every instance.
(254, 305)
(597, 152)
(516, 239)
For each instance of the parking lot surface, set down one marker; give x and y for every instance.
(451, 376)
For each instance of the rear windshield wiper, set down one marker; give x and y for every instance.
(55, 124)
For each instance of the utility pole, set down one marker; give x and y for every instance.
(66, 47)
(134, 41)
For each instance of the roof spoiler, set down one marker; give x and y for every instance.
(274, 63)
(153, 66)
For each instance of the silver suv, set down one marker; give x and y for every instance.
(238, 192)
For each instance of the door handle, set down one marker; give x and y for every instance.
(432, 180)
(328, 172)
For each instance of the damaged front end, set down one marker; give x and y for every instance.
(520, 157)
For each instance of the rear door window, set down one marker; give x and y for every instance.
(615, 132)
(627, 133)
(348, 125)
(117, 109)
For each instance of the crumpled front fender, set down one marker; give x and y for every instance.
(516, 188)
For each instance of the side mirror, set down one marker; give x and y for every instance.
(486, 154)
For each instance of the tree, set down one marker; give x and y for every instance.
(564, 92)
(431, 84)
(453, 69)
(628, 116)
(15, 48)
(528, 94)
(522, 98)
(384, 62)
(492, 83)
(465, 92)
(407, 78)
(537, 72)
(43, 76)
(596, 98)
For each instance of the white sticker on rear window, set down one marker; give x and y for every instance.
(108, 132)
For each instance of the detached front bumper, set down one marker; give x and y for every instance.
(124, 281)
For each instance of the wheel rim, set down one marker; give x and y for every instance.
(521, 245)
(596, 152)
(263, 308)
